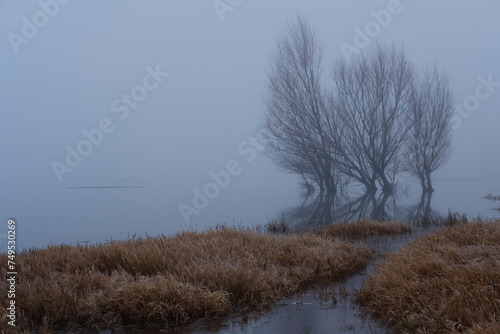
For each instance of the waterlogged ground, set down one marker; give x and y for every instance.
(313, 311)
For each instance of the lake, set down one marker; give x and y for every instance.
(97, 210)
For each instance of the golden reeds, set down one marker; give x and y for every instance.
(363, 228)
(447, 282)
(169, 281)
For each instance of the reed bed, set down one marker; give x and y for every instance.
(446, 282)
(363, 228)
(275, 227)
(169, 281)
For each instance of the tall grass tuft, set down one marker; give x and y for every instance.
(363, 228)
(278, 227)
(446, 282)
(169, 281)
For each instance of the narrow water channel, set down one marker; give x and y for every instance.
(311, 312)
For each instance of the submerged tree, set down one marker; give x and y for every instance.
(296, 111)
(370, 108)
(378, 119)
(429, 143)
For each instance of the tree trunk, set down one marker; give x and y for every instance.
(387, 186)
(424, 185)
(429, 182)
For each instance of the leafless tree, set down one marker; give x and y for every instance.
(369, 114)
(429, 143)
(296, 111)
(378, 119)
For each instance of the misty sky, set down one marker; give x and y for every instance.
(66, 77)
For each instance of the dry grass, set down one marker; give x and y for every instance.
(447, 282)
(363, 228)
(450, 220)
(278, 227)
(170, 281)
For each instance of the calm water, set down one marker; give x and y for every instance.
(97, 210)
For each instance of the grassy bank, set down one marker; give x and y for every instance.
(363, 228)
(447, 282)
(170, 281)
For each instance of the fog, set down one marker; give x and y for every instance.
(198, 73)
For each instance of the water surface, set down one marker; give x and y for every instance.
(98, 210)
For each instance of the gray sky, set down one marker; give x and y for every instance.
(66, 76)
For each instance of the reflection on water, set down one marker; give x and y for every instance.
(422, 211)
(378, 206)
(100, 209)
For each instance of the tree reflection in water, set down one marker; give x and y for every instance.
(378, 206)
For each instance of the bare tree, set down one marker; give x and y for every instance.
(295, 105)
(429, 144)
(376, 121)
(369, 120)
